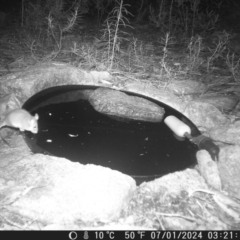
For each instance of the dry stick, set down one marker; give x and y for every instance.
(175, 215)
(222, 201)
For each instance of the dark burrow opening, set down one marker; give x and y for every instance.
(73, 129)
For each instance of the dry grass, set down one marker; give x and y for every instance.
(174, 53)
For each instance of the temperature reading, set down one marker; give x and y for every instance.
(111, 235)
(101, 235)
(129, 235)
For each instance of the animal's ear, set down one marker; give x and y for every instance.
(36, 116)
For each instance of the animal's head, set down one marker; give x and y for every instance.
(33, 124)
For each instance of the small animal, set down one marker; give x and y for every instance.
(22, 119)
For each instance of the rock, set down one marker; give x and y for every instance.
(181, 87)
(119, 104)
(209, 169)
(170, 199)
(187, 180)
(160, 94)
(221, 102)
(229, 133)
(229, 169)
(52, 190)
(8, 103)
(205, 115)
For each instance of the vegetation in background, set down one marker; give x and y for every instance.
(143, 39)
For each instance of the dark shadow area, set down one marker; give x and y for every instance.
(76, 131)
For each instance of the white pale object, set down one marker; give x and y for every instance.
(177, 126)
